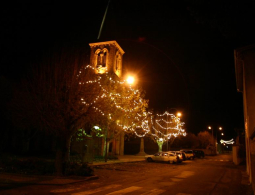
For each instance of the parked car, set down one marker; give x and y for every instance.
(189, 154)
(184, 157)
(199, 153)
(179, 154)
(163, 157)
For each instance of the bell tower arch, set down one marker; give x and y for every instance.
(106, 57)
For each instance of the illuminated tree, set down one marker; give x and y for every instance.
(126, 109)
(164, 127)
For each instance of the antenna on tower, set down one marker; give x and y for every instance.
(102, 24)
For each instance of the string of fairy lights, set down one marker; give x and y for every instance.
(161, 126)
(158, 130)
(227, 141)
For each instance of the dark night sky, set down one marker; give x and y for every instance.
(182, 52)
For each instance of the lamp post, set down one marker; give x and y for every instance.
(220, 128)
(130, 80)
(210, 128)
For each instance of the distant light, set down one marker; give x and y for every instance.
(220, 128)
(179, 114)
(227, 142)
(96, 127)
(160, 139)
(222, 133)
(209, 127)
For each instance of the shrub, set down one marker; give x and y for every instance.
(81, 169)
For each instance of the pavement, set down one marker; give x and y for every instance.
(11, 178)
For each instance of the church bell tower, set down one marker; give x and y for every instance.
(106, 57)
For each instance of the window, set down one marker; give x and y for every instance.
(117, 61)
(101, 56)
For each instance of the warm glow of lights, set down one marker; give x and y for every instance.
(179, 114)
(227, 142)
(140, 119)
(130, 80)
(163, 128)
(220, 128)
(222, 133)
(209, 127)
(166, 125)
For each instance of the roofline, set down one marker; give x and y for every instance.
(108, 43)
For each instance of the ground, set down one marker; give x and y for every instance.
(210, 175)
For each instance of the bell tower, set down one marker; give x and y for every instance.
(106, 57)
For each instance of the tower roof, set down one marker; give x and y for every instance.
(108, 43)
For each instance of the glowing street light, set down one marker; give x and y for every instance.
(179, 114)
(130, 80)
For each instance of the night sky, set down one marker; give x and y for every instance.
(182, 53)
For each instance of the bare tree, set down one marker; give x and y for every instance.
(60, 97)
(206, 140)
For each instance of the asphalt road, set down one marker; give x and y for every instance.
(211, 175)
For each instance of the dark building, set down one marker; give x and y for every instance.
(245, 81)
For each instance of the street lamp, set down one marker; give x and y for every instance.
(220, 128)
(179, 114)
(130, 80)
(210, 128)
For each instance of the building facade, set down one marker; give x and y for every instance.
(245, 81)
(106, 57)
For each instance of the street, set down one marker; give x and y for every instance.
(210, 175)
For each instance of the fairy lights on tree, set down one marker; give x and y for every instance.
(121, 107)
(126, 111)
(164, 127)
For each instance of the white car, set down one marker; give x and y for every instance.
(189, 154)
(163, 157)
(179, 154)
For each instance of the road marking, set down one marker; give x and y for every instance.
(96, 190)
(154, 192)
(63, 190)
(126, 190)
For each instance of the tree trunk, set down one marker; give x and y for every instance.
(106, 151)
(160, 144)
(141, 153)
(105, 145)
(62, 154)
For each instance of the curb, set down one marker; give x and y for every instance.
(49, 180)
(116, 162)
